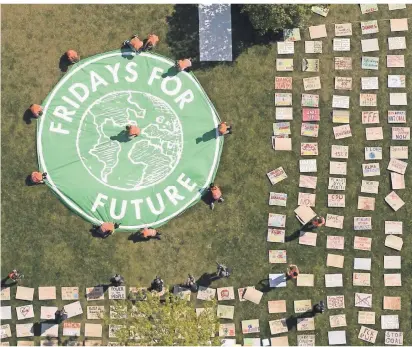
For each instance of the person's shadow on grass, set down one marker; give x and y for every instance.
(137, 237)
(64, 63)
(29, 182)
(207, 136)
(206, 279)
(7, 285)
(127, 53)
(171, 72)
(28, 116)
(121, 137)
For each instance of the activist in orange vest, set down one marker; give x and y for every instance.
(184, 64)
(216, 195)
(134, 43)
(38, 177)
(150, 233)
(36, 110)
(72, 56)
(132, 131)
(224, 129)
(106, 229)
(152, 41)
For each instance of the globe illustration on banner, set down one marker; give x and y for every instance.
(130, 164)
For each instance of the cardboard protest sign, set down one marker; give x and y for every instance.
(281, 128)
(317, 31)
(337, 183)
(307, 165)
(342, 131)
(398, 99)
(308, 239)
(370, 45)
(394, 338)
(277, 306)
(394, 242)
(344, 29)
(310, 65)
(335, 242)
(313, 47)
(368, 100)
(366, 317)
(395, 61)
(399, 24)
(370, 187)
(284, 64)
(366, 203)
(392, 262)
(367, 334)
(333, 280)
(401, 133)
(340, 101)
(362, 223)
(306, 199)
(393, 227)
(277, 256)
(398, 166)
(338, 167)
(306, 340)
(334, 221)
(370, 63)
(396, 43)
(343, 83)
(396, 117)
(394, 201)
(362, 243)
(276, 235)
(283, 144)
(334, 260)
(320, 10)
(361, 279)
(375, 133)
(370, 117)
(311, 83)
(370, 83)
(276, 220)
(393, 7)
(343, 63)
(336, 200)
(307, 181)
(371, 169)
(283, 82)
(368, 8)
(341, 44)
(364, 300)
(278, 199)
(309, 130)
(283, 99)
(399, 152)
(338, 151)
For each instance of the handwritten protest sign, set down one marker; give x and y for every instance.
(396, 43)
(337, 183)
(341, 44)
(371, 169)
(320, 10)
(362, 223)
(283, 99)
(310, 115)
(368, 8)
(278, 199)
(277, 256)
(369, 27)
(390, 321)
(401, 133)
(307, 165)
(393, 227)
(395, 61)
(375, 133)
(361, 279)
(309, 130)
(373, 153)
(277, 306)
(370, 187)
(399, 152)
(342, 131)
(396, 81)
(337, 168)
(367, 100)
(396, 117)
(398, 181)
(364, 300)
(277, 175)
(278, 326)
(311, 83)
(336, 200)
(335, 242)
(310, 100)
(313, 47)
(370, 63)
(394, 242)
(310, 65)
(343, 63)
(284, 113)
(370, 117)
(284, 64)
(366, 203)
(340, 151)
(394, 338)
(283, 82)
(307, 181)
(334, 221)
(394, 201)
(370, 83)
(362, 243)
(344, 29)
(276, 220)
(306, 199)
(276, 235)
(367, 334)
(397, 165)
(366, 317)
(337, 321)
(291, 34)
(309, 148)
(302, 306)
(306, 340)
(343, 83)
(281, 128)
(340, 101)
(340, 116)
(286, 47)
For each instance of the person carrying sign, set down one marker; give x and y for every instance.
(38, 177)
(224, 128)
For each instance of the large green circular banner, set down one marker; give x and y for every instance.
(101, 173)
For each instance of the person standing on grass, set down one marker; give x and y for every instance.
(72, 56)
(292, 272)
(224, 129)
(216, 195)
(117, 280)
(60, 315)
(106, 229)
(38, 177)
(36, 110)
(318, 308)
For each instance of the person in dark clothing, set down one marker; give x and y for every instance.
(117, 280)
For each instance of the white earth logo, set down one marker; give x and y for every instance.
(118, 162)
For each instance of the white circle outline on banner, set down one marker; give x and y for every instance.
(76, 207)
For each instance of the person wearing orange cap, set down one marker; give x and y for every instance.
(134, 43)
(292, 272)
(224, 129)
(38, 177)
(36, 110)
(184, 64)
(216, 195)
(147, 233)
(151, 42)
(132, 131)
(106, 229)
(72, 56)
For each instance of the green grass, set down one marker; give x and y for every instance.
(52, 246)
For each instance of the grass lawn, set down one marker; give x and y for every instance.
(52, 246)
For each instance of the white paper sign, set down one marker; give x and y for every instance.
(371, 169)
(370, 83)
(369, 27)
(401, 133)
(341, 45)
(340, 152)
(370, 187)
(284, 113)
(399, 152)
(370, 45)
(340, 101)
(342, 131)
(344, 29)
(337, 183)
(370, 63)
(396, 43)
(373, 153)
(307, 165)
(313, 47)
(370, 117)
(286, 47)
(396, 117)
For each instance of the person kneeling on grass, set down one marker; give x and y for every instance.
(36, 110)
(292, 272)
(106, 229)
(224, 129)
(216, 195)
(134, 43)
(147, 233)
(132, 131)
(38, 177)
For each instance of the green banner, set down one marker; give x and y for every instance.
(101, 174)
